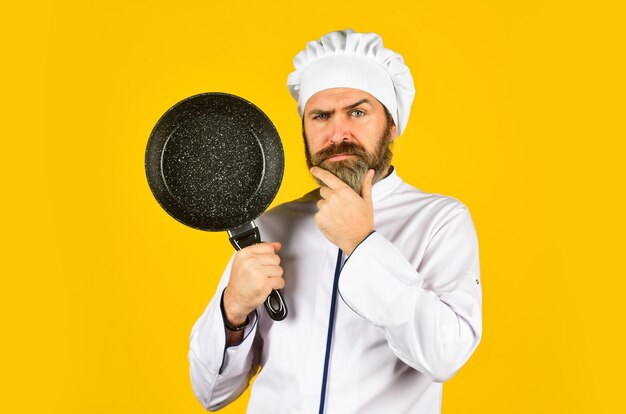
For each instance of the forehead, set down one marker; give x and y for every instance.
(337, 98)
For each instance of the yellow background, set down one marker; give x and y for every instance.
(519, 113)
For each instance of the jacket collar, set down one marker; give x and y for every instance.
(384, 187)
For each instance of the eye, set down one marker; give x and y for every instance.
(358, 113)
(321, 116)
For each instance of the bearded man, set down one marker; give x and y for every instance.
(382, 279)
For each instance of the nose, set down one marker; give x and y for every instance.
(340, 130)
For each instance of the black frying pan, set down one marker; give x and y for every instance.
(214, 162)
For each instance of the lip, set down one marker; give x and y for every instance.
(338, 157)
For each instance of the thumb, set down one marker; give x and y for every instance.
(276, 246)
(366, 187)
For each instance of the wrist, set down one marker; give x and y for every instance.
(232, 315)
(238, 327)
(349, 246)
(235, 321)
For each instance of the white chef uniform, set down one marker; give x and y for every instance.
(408, 313)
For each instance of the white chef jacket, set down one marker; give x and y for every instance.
(407, 317)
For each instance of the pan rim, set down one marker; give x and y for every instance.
(173, 207)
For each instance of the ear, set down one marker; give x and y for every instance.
(394, 133)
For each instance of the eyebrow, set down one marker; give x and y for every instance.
(345, 108)
(354, 105)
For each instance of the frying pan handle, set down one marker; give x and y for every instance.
(248, 235)
(275, 306)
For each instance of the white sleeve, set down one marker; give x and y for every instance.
(431, 316)
(220, 373)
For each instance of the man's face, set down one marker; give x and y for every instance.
(346, 131)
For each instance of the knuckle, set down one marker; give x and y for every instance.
(260, 248)
(243, 266)
(250, 270)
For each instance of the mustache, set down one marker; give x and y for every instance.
(343, 147)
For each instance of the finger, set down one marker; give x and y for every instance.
(263, 247)
(328, 178)
(277, 283)
(366, 187)
(267, 259)
(272, 271)
(325, 192)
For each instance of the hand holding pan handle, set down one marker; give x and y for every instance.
(248, 235)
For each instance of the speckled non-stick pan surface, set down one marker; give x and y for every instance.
(214, 161)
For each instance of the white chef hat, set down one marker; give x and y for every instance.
(345, 59)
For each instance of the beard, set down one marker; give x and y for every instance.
(352, 170)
